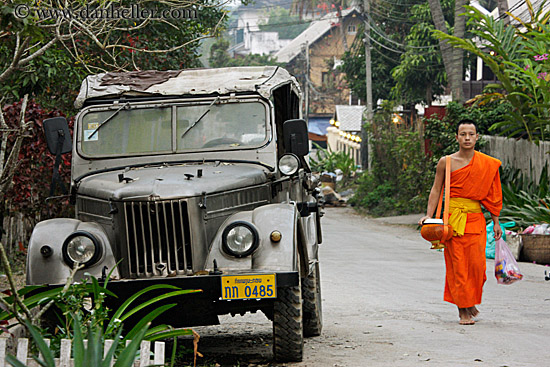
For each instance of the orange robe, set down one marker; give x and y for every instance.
(465, 255)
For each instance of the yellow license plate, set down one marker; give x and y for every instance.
(249, 286)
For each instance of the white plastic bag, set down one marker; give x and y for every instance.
(506, 267)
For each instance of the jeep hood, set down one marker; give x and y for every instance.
(170, 182)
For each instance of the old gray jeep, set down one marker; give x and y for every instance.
(195, 178)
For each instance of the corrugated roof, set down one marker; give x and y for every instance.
(316, 30)
(260, 79)
(519, 9)
(350, 117)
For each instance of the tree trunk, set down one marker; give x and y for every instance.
(429, 99)
(502, 9)
(452, 58)
(342, 31)
(457, 71)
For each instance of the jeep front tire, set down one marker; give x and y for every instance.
(288, 337)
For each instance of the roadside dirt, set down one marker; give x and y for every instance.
(19, 278)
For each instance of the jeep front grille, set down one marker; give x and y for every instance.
(158, 238)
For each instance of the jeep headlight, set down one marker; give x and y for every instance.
(239, 239)
(81, 247)
(289, 164)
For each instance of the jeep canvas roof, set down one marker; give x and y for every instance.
(259, 79)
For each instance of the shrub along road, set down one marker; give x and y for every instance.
(383, 289)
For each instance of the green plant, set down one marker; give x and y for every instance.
(519, 59)
(525, 201)
(89, 355)
(99, 315)
(69, 300)
(377, 199)
(328, 161)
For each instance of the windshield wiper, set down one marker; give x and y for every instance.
(200, 118)
(108, 119)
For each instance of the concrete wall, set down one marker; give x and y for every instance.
(528, 157)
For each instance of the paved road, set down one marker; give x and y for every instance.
(382, 289)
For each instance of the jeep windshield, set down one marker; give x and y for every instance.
(160, 128)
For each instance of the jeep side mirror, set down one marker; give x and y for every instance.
(295, 137)
(57, 133)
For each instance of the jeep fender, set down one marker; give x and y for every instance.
(270, 255)
(307, 241)
(53, 269)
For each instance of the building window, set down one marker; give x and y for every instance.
(351, 29)
(327, 78)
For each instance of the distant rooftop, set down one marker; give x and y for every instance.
(315, 31)
(350, 117)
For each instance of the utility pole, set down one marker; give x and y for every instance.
(366, 156)
(307, 83)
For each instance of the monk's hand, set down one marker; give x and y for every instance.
(498, 231)
(421, 221)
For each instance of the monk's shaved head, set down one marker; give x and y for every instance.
(465, 122)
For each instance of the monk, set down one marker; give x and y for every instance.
(475, 180)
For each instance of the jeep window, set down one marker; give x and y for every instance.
(225, 126)
(148, 129)
(141, 130)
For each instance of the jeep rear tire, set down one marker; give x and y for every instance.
(312, 303)
(288, 337)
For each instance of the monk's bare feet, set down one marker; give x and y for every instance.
(465, 317)
(473, 311)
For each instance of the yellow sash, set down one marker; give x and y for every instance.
(459, 208)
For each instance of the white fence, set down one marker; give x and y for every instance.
(528, 157)
(65, 359)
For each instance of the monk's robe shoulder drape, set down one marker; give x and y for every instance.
(465, 253)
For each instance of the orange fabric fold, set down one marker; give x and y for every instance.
(465, 256)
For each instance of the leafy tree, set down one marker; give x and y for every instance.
(35, 164)
(420, 74)
(279, 20)
(406, 63)
(45, 51)
(383, 62)
(519, 59)
(453, 58)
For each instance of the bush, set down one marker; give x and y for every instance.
(85, 302)
(401, 174)
(329, 161)
(524, 201)
(32, 179)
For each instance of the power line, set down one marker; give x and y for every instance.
(383, 15)
(386, 37)
(402, 4)
(383, 46)
(412, 67)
